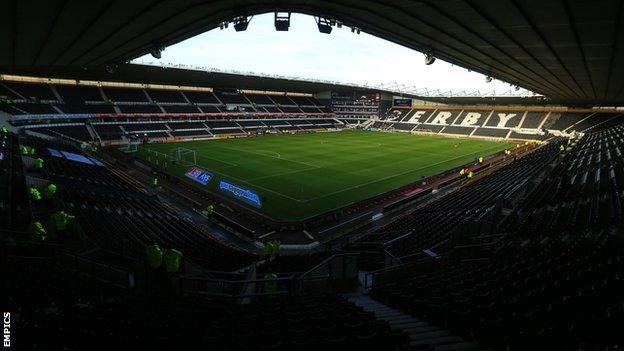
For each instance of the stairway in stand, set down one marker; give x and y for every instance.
(423, 336)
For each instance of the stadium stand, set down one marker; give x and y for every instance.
(158, 206)
(125, 94)
(29, 91)
(160, 96)
(443, 269)
(543, 253)
(431, 227)
(78, 95)
(103, 316)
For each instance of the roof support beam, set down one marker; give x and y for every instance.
(542, 80)
(515, 42)
(136, 17)
(547, 44)
(346, 16)
(566, 5)
(617, 29)
(50, 31)
(78, 35)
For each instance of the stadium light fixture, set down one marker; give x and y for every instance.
(282, 21)
(324, 25)
(157, 51)
(429, 59)
(241, 23)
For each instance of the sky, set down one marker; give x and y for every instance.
(303, 52)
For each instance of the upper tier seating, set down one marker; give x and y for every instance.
(28, 108)
(32, 91)
(166, 96)
(78, 95)
(125, 94)
(209, 109)
(282, 100)
(288, 109)
(260, 99)
(231, 97)
(272, 109)
(201, 97)
(5, 93)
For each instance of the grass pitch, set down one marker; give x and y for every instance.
(307, 174)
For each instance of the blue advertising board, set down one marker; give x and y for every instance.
(240, 193)
(198, 175)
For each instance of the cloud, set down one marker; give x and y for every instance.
(304, 52)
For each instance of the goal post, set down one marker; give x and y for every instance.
(130, 148)
(183, 156)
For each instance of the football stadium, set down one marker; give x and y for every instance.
(170, 206)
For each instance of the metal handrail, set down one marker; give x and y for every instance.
(328, 260)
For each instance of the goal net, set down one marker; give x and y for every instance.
(183, 156)
(130, 147)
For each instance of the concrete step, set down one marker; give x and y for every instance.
(420, 329)
(401, 321)
(422, 334)
(430, 334)
(436, 341)
(466, 345)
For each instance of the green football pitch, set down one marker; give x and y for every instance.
(303, 175)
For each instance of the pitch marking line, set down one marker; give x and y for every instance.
(390, 176)
(216, 159)
(265, 155)
(283, 173)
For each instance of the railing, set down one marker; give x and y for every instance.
(105, 271)
(418, 267)
(336, 273)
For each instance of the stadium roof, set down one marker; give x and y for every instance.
(149, 74)
(565, 49)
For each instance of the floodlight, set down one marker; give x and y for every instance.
(324, 25)
(429, 59)
(282, 21)
(241, 23)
